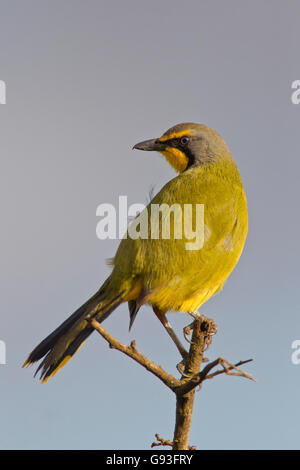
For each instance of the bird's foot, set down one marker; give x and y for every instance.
(187, 331)
(209, 324)
(206, 324)
(180, 367)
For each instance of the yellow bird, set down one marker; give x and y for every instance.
(168, 272)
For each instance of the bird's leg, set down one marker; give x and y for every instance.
(162, 318)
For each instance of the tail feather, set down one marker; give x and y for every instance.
(48, 370)
(48, 343)
(64, 341)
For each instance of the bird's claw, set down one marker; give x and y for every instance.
(212, 326)
(187, 331)
(180, 367)
(211, 330)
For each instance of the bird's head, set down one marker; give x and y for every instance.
(188, 144)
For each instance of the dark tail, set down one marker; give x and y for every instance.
(63, 342)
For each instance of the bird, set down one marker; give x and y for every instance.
(160, 271)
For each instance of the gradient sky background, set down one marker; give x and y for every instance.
(85, 82)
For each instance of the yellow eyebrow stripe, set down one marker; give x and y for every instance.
(175, 135)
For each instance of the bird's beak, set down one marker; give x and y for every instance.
(152, 144)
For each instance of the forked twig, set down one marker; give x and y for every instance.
(227, 367)
(163, 442)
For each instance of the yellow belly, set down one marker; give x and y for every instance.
(162, 272)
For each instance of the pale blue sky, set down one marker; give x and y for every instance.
(85, 82)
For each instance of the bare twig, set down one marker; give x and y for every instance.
(240, 373)
(188, 385)
(163, 442)
(132, 352)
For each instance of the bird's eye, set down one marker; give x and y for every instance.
(184, 140)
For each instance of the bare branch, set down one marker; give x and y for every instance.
(203, 329)
(132, 352)
(227, 367)
(191, 383)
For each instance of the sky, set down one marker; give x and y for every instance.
(84, 82)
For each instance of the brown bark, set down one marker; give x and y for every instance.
(184, 389)
(201, 337)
